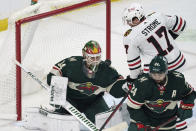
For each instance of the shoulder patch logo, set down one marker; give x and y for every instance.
(142, 79)
(127, 32)
(177, 74)
(61, 65)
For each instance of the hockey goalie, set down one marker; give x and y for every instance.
(81, 81)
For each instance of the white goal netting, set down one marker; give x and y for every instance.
(45, 42)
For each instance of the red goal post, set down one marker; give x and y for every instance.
(48, 14)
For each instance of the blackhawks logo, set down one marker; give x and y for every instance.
(127, 32)
(87, 88)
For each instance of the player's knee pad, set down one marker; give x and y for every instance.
(40, 119)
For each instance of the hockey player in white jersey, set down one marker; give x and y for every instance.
(149, 36)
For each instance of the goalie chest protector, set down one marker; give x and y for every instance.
(80, 86)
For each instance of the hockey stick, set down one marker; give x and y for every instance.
(165, 123)
(119, 127)
(70, 108)
(117, 107)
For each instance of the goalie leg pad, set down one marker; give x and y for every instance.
(42, 119)
(33, 120)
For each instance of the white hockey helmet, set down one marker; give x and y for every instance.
(135, 10)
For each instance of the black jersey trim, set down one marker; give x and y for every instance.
(146, 65)
(179, 65)
(135, 68)
(182, 128)
(134, 59)
(175, 23)
(175, 59)
(183, 25)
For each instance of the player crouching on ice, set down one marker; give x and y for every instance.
(154, 96)
(88, 77)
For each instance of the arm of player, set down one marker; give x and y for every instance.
(175, 25)
(133, 61)
(135, 101)
(187, 102)
(189, 94)
(115, 89)
(133, 54)
(135, 111)
(115, 80)
(57, 70)
(120, 87)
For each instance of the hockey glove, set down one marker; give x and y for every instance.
(185, 111)
(128, 85)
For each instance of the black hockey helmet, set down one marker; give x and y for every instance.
(158, 65)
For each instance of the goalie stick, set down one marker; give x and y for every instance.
(70, 108)
(117, 107)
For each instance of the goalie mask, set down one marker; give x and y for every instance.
(135, 10)
(92, 55)
(158, 68)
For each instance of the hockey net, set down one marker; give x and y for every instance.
(40, 36)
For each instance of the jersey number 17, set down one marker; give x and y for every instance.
(159, 33)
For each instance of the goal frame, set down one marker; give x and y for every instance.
(18, 24)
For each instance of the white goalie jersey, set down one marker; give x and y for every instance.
(155, 35)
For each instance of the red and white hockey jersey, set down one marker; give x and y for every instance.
(152, 37)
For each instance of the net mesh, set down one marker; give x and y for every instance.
(44, 43)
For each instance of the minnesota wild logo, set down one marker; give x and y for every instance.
(159, 105)
(87, 88)
(160, 101)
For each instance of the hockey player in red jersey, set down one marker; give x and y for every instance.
(149, 36)
(154, 97)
